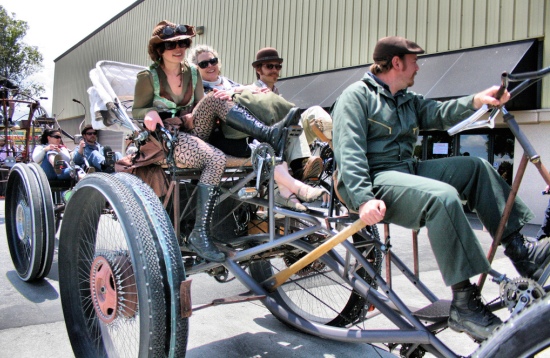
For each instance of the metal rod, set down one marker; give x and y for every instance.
(505, 216)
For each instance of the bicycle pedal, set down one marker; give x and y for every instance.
(294, 131)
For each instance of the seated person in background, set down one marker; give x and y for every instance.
(95, 154)
(4, 149)
(7, 90)
(291, 191)
(50, 151)
(170, 92)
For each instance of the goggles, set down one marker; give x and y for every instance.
(91, 133)
(55, 136)
(204, 64)
(169, 31)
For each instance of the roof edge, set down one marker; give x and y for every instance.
(123, 12)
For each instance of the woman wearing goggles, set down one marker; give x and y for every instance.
(170, 93)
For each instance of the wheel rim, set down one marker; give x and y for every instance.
(113, 288)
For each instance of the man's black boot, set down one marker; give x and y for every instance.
(199, 239)
(241, 119)
(530, 257)
(468, 314)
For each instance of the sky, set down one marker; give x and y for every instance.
(57, 25)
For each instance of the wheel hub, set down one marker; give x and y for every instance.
(22, 221)
(113, 288)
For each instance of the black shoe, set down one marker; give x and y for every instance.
(199, 239)
(204, 247)
(468, 314)
(108, 165)
(241, 119)
(528, 256)
(59, 164)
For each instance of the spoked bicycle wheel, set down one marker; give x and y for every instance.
(316, 293)
(116, 282)
(24, 222)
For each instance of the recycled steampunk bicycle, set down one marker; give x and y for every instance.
(124, 264)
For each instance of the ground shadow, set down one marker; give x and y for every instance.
(36, 292)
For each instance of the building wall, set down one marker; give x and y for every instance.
(311, 35)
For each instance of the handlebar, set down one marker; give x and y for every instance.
(527, 78)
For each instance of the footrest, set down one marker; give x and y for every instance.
(437, 311)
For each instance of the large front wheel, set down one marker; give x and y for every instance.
(116, 283)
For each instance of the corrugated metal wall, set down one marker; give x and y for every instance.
(312, 35)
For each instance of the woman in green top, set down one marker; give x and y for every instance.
(171, 93)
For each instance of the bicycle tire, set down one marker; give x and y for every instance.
(172, 268)
(24, 222)
(523, 335)
(315, 293)
(106, 235)
(48, 221)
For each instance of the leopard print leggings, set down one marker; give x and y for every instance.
(192, 150)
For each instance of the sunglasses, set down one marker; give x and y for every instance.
(55, 136)
(271, 66)
(168, 31)
(204, 64)
(181, 44)
(91, 133)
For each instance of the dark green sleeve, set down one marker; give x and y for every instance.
(199, 89)
(443, 115)
(143, 95)
(350, 129)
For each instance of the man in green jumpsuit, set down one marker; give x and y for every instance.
(376, 125)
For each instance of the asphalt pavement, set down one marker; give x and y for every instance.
(32, 325)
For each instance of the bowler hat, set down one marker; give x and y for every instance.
(266, 54)
(179, 32)
(390, 46)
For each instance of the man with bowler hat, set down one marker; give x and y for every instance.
(268, 66)
(376, 126)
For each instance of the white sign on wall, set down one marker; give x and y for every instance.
(441, 148)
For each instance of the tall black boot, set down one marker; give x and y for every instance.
(241, 119)
(199, 239)
(530, 257)
(469, 314)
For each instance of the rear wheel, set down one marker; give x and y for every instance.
(24, 222)
(316, 293)
(115, 293)
(48, 221)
